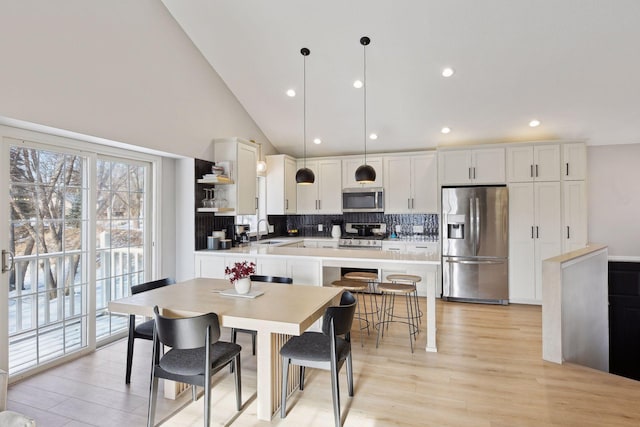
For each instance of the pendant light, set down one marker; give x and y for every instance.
(365, 174)
(304, 176)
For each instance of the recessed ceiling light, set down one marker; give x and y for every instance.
(534, 123)
(291, 93)
(447, 72)
(357, 84)
(317, 141)
(445, 130)
(373, 136)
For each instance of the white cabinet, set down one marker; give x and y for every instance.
(350, 165)
(574, 207)
(212, 266)
(272, 266)
(410, 247)
(411, 184)
(534, 235)
(242, 156)
(281, 185)
(303, 272)
(320, 243)
(394, 246)
(422, 247)
(533, 163)
(324, 196)
(574, 161)
(472, 166)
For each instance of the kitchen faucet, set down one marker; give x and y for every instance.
(258, 228)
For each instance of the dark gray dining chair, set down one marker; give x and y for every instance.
(258, 278)
(323, 350)
(195, 355)
(143, 330)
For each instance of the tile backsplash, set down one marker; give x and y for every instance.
(307, 225)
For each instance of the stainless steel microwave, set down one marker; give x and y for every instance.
(363, 199)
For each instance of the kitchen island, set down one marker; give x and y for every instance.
(321, 266)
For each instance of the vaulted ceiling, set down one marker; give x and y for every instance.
(574, 65)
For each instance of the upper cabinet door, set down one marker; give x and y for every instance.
(246, 180)
(397, 177)
(546, 160)
(424, 183)
(574, 161)
(488, 166)
(520, 164)
(349, 167)
(455, 167)
(290, 190)
(307, 194)
(329, 186)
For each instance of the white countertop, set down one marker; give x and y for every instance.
(261, 249)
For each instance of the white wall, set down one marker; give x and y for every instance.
(614, 198)
(118, 69)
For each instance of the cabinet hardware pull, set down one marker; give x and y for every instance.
(567, 168)
(286, 204)
(319, 204)
(536, 171)
(532, 231)
(474, 172)
(256, 203)
(469, 172)
(537, 234)
(531, 171)
(408, 203)
(568, 234)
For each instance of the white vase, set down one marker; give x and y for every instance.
(243, 286)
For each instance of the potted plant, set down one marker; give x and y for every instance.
(239, 275)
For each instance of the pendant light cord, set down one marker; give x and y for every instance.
(304, 108)
(364, 78)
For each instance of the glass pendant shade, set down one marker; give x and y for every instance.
(365, 174)
(305, 176)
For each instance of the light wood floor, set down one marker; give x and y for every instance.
(488, 372)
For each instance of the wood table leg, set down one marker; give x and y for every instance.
(269, 374)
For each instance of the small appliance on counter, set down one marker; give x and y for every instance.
(241, 234)
(336, 229)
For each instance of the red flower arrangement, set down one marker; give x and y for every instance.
(240, 270)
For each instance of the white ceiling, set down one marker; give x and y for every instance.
(572, 64)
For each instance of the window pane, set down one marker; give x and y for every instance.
(48, 235)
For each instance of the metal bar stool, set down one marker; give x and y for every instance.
(356, 286)
(371, 279)
(389, 291)
(414, 280)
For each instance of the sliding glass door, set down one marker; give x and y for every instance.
(75, 236)
(121, 257)
(48, 220)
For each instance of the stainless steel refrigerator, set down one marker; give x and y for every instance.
(475, 244)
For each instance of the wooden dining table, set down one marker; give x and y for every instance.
(280, 312)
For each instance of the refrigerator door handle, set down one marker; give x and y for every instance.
(454, 261)
(472, 218)
(477, 224)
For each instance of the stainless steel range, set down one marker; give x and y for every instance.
(363, 236)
